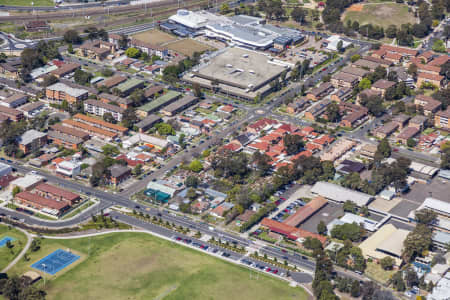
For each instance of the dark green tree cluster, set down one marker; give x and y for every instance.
(36, 57)
(15, 288)
(443, 95)
(420, 239)
(262, 162)
(81, 77)
(322, 287)
(273, 9)
(228, 164)
(349, 231)
(10, 132)
(293, 143)
(171, 73)
(94, 33)
(72, 37)
(349, 286)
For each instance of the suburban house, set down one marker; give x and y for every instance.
(406, 134)
(436, 80)
(111, 99)
(149, 48)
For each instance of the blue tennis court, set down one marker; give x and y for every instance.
(4, 240)
(55, 262)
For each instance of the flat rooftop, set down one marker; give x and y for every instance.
(241, 68)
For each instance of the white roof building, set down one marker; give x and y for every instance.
(441, 290)
(423, 169)
(340, 194)
(5, 169)
(334, 40)
(442, 209)
(369, 225)
(27, 182)
(144, 138)
(68, 168)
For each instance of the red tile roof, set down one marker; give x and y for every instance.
(47, 188)
(50, 203)
(306, 211)
(290, 231)
(430, 76)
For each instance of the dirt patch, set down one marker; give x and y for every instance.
(155, 37)
(356, 7)
(188, 47)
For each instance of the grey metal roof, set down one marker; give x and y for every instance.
(340, 194)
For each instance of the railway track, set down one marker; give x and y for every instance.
(100, 11)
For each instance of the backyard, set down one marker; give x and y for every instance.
(381, 14)
(140, 266)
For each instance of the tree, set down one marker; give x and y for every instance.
(110, 150)
(355, 57)
(263, 162)
(411, 278)
(191, 194)
(108, 117)
(387, 263)
(107, 72)
(197, 90)
(412, 70)
(81, 77)
(348, 231)
(192, 181)
(397, 282)
(224, 8)
(384, 148)
(439, 46)
(123, 41)
(322, 228)
(355, 289)
(132, 52)
(165, 129)
(49, 80)
(333, 112)
(425, 216)
(293, 143)
(129, 117)
(195, 166)
(340, 46)
(70, 49)
(364, 84)
(298, 14)
(350, 206)
(391, 31)
(15, 191)
(137, 170)
(411, 143)
(71, 37)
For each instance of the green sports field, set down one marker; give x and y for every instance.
(140, 266)
(381, 14)
(20, 240)
(27, 2)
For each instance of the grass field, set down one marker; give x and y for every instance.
(382, 14)
(27, 2)
(188, 47)
(140, 266)
(154, 36)
(375, 271)
(20, 240)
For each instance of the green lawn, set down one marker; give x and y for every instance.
(20, 240)
(383, 14)
(140, 266)
(28, 2)
(375, 271)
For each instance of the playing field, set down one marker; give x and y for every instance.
(19, 240)
(27, 2)
(140, 266)
(154, 36)
(382, 14)
(188, 46)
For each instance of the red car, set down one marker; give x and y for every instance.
(274, 271)
(268, 269)
(395, 149)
